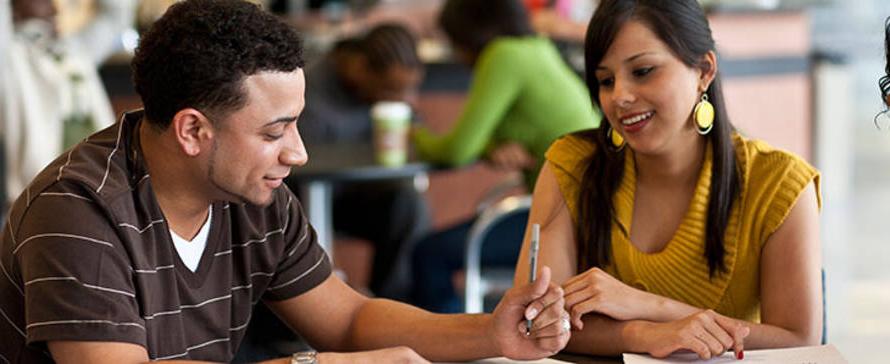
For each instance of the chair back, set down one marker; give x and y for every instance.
(481, 282)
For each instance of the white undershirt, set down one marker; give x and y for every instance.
(190, 252)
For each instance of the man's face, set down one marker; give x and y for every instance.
(254, 148)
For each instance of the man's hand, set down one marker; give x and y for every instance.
(400, 355)
(541, 302)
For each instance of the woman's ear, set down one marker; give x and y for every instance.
(708, 68)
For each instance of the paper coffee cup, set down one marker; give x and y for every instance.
(391, 121)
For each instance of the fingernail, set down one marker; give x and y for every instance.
(531, 313)
(740, 355)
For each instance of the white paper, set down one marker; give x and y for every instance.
(509, 361)
(826, 354)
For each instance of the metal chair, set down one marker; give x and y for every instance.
(480, 281)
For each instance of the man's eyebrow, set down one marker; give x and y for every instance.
(283, 119)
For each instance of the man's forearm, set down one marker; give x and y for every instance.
(384, 323)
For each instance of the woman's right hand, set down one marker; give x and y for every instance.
(401, 354)
(705, 333)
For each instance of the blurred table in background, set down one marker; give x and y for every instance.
(340, 163)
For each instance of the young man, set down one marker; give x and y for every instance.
(153, 239)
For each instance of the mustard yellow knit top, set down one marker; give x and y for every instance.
(772, 180)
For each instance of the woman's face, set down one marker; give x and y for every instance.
(647, 93)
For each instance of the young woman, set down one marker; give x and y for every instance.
(667, 228)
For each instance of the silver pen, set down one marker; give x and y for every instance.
(533, 265)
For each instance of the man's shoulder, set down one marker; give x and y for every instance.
(102, 163)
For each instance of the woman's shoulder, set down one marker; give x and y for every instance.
(773, 178)
(571, 151)
(759, 158)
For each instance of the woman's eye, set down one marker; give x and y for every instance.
(643, 71)
(606, 82)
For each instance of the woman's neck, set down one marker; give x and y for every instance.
(679, 165)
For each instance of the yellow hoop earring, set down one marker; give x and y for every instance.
(615, 139)
(704, 115)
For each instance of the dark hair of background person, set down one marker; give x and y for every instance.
(884, 82)
(198, 54)
(384, 46)
(472, 24)
(682, 26)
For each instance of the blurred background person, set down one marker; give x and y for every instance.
(381, 65)
(51, 96)
(522, 97)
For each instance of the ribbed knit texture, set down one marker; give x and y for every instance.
(772, 181)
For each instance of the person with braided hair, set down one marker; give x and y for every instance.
(381, 65)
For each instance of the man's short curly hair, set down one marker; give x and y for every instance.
(198, 54)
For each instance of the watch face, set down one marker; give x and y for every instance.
(304, 357)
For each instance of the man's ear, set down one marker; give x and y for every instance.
(708, 68)
(192, 130)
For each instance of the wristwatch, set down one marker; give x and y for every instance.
(304, 357)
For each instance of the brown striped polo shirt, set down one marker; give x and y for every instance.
(86, 255)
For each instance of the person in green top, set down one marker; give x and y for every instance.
(523, 96)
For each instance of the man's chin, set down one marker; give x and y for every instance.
(255, 201)
(263, 201)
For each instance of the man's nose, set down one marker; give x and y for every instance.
(294, 153)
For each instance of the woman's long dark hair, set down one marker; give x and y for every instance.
(682, 26)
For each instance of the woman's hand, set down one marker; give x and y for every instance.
(597, 291)
(705, 333)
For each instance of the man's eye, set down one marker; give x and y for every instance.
(274, 136)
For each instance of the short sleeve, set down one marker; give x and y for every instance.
(569, 156)
(305, 264)
(77, 281)
(776, 181)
